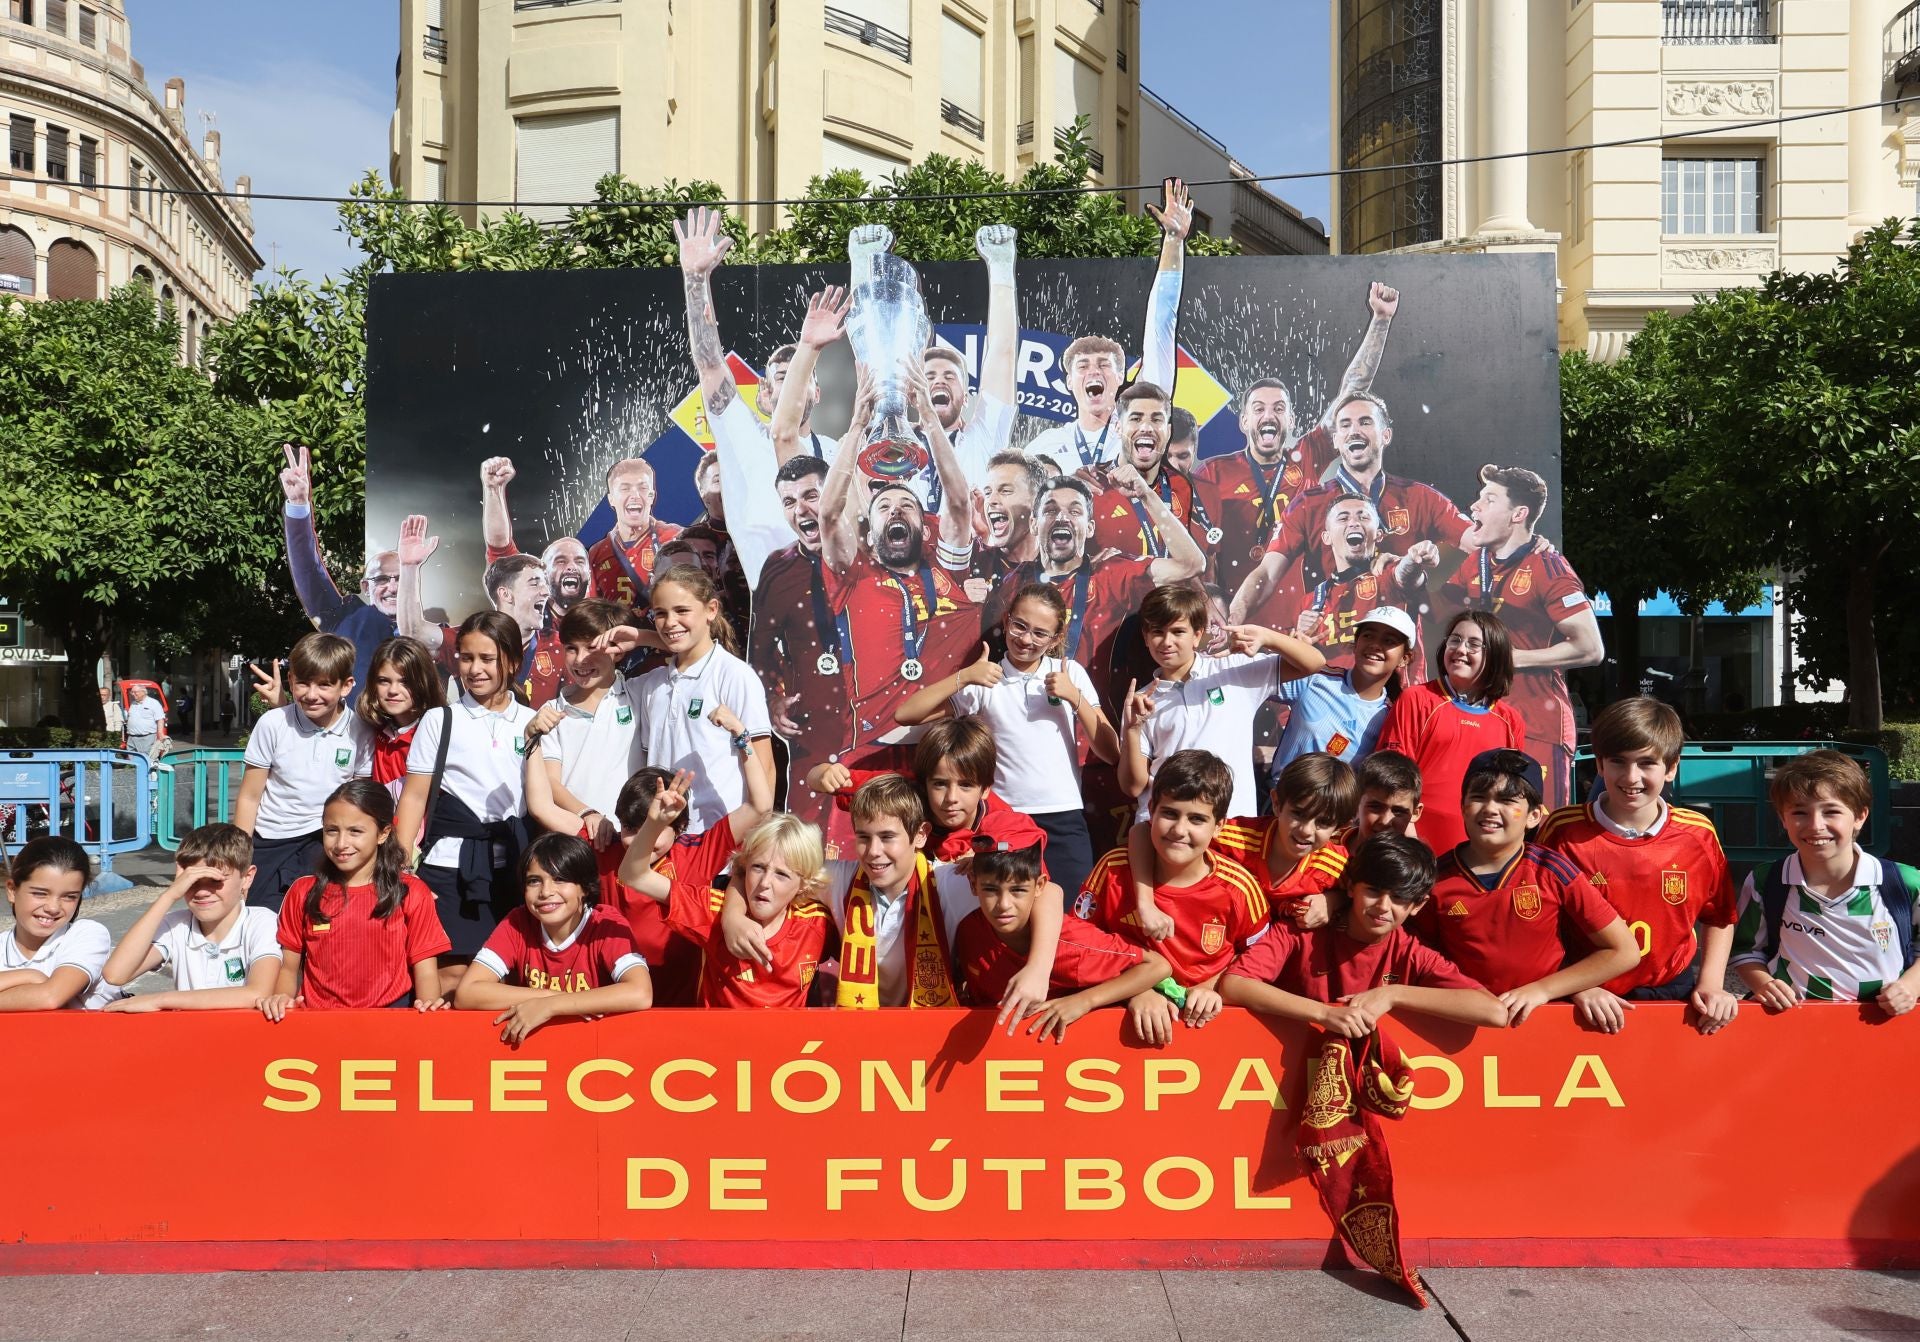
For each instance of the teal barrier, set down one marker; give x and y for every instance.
(72, 793)
(212, 782)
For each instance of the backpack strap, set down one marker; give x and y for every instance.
(433, 788)
(1772, 885)
(1902, 884)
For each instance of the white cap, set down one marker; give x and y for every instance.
(1393, 618)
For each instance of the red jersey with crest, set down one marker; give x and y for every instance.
(923, 613)
(943, 845)
(609, 576)
(1087, 955)
(1107, 592)
(1246, 500)
(1662, 884)
(1341, 599)
(1410, 512)
(1253, 842)
(1213, 918)
(1326, 964)
(599, 952)
(1122, 522)
(785, 643)
(1442, 737)
(1507, 930)
(695, 863)
(797, 947)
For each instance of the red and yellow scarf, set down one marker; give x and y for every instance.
(859, 988)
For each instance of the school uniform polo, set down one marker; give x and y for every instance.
(82, 944)
(304, 763)
(673, 712)
(598, 751)
(197, 962)
(1039, 766)
(486, 758)
(1213, 709)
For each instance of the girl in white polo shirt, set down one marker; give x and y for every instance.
(52, 958)
(1038, 706)
(475, 827)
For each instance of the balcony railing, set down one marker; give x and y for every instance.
(1024, 133)
(557, 4)
(1717, 22)
(434, 46)
(869, 33)
(1063, 136)
(955, 115)
(1120, 57)
(1903, 44)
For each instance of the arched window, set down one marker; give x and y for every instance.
(16, 262)
(72, 271)
(194, 325)
(143, 275)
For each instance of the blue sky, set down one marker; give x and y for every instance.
(303, 93)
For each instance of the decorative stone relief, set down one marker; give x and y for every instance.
(1736, 98)
(1720, 258)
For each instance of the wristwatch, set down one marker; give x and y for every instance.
(743, 743)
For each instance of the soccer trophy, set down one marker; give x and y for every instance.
(887, 327)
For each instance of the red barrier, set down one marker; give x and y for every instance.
(814, 1139)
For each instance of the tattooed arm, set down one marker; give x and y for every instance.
(702, 247)
(1383, 302)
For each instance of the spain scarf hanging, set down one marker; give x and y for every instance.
(859, 988)
(1343, 1146)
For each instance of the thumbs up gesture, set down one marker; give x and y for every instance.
(984, 671)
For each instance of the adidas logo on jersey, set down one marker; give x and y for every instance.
(1457, 909)
(1599, 878)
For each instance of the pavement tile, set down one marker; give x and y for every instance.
(463, 1305)
(1301, 1306)
(1577, 1304)
(977, 1305)
(742, 1305)
(222, 1306)
(1813, 1301)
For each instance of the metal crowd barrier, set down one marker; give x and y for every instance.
(71, 793)
(212, 779)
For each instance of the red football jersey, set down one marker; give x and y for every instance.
(601, 950)
(349, 958)
(1247, 499)
(1214, 917)
(785, 647)
(1340, 600)
(1253, 842)
(924, 614)
(610, 577)
(1508, 931)
(1441, 737)
(943, 845)
(696, 863)
(1661, 883)
(1409, 512)
(796, 947)
(1087, 955)
(1105, 593)
(1326, 964)
(1122, 522)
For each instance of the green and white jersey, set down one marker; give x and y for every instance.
(1840, 949)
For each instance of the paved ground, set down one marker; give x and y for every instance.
(1482, 1305)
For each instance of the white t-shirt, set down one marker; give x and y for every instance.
(598, 752)
(987, 431)
(82, 944)
(304, 765)
(1070, 448)
(486, 759)
(197, 963)
(144, 717)
(892, 940)
(1212, 709)
(755, 519)
(673, 707)
(1039, 764)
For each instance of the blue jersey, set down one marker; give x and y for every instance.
(1327, 715)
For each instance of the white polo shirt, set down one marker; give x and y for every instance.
(676, 734)
(1212, 709)
(144, 717)
(755, 519)
(304, 764)
(198, 963)
(597, 752)
(486, 760)
(891, 944)
(1039, 761)
(82, 944)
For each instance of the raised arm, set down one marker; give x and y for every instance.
(703, 245)
(998, 246)
(636, 866)
(1175, 213)
(496, 523)
(1383, 302)
(825, 322)
(1257, 587)
(840, 510)
(311, 583)
(416, 548)
(956, 499)
(1580, 645)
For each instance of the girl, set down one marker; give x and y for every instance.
(1444, 723)
(51, 958)
(1038, 706)
(560, 953)
(403, 686)
(466, 785)
(360, 931)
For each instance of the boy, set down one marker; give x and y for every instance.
(297, 755)
(1342, 712)
(997, 895)
(1501, 905)
(1831, 923)
(1216, 905)
(954, 764)
(1661, 866)
(221, 953)
(1389, 798)
(1203, 703)
(589, 739)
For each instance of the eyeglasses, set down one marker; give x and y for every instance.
(1458, 644)
(1025, 630)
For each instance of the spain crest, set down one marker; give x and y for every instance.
(1526, 901)
(1522, 582)
(1673, 886)
(1212, 937)
(1367, 588)
(807, 968)
(1293, 475)
(1399, 521)
(543, 663)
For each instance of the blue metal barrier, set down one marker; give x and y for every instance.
(212, 783)
(73, 791)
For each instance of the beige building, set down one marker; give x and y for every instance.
(1705, 203)
(80, 116)
(1235, 206)
(535, 100)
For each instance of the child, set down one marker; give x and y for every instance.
(590, 737)
(297, 755)
(561, 953)
(1345, 978)
(1501, 905)
(52, 958)
(778, 871)
(360, 931)
(1292, 852)
(221, 952)
(954, 765)
(1216, 905)
(1044, 705)
(1389, 799)
(1850, 936)
(466, 787)
(403, 686)
(1196, 702)
(1661, 866)
(1342, 712)
(996, 897)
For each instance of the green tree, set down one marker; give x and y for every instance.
(135, 494)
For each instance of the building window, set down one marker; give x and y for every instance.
(134, 175)
(435, 185)
(20, 145)
(20, 11)
(884, 25)
(1028, 90)
(16, 262)
(89, 161)
(838, 155)
(436, 43)
(57, 153)
(89, 27)
(960, 65)
(57, 17)
(559, 158)
(1389, 64)
(72, 271)
(1716, 22)
(1710, 195)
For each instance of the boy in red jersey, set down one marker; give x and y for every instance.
(1501, 905)
(1216, 905)
(1660, 865)
(1389, 799)
(952, 765)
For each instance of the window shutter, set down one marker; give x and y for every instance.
(559, 158)
(960, 65)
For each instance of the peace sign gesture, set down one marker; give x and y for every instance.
(670, 802)
(296, 479)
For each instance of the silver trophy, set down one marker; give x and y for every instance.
(887, 327)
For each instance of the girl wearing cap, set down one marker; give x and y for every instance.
(1341, 712)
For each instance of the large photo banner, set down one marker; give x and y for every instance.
(1304, 438)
